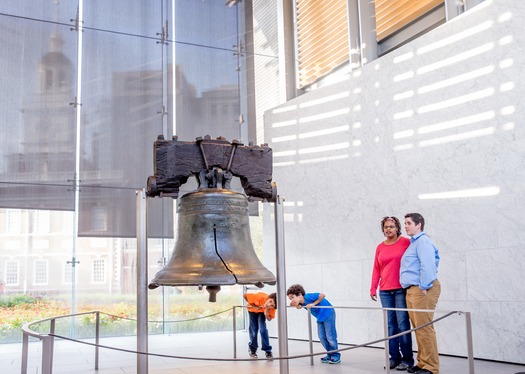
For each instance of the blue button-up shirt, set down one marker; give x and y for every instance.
(419, 264)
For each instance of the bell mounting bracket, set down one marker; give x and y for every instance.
(213, 162)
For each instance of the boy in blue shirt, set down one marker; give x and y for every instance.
(325, 319)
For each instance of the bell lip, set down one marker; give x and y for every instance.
(209, 190)
(154, 285)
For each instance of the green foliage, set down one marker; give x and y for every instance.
(14, 300)
(187, 311)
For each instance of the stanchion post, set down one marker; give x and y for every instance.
(97, 337)
(387, 349)
(142, 280)
(47, 342)
(25, 352)
(310, 340)
(52, 324)
(234, 334)
(281, 284)
(470, 348)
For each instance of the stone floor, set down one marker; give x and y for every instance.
(72, 357)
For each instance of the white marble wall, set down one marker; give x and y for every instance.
(434, 127)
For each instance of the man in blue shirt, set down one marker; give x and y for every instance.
(418, 274)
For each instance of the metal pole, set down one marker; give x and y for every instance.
(51, 343)
(142, 279)
(387, 348)
(25, 349)
(97, 337)
(470, 349)
(286, 36)
(310, 340)
(281, 285)
(46, 354)
(234, 334)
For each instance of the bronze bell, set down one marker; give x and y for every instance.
(214, 244)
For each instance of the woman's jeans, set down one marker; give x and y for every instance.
(258, 323)
(398, 321)
(328, 335)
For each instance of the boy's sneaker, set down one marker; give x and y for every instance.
(252, 353)
(269, 355)
(334, 360)
(325, 359)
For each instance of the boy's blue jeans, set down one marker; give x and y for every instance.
(328, 335)
(258, 323)
(398, 321)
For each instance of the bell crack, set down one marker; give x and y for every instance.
(218, 255)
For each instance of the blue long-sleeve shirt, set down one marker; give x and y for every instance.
(419, 264)
(320, 313)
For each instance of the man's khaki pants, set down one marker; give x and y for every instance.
(427, 354)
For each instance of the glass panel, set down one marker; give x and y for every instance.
(37, 145)
(207, 76)
(122, 115)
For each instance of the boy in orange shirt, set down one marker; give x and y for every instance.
(261, 307)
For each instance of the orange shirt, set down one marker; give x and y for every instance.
(257, 300)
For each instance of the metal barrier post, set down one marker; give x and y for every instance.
(470, 349)
(310, 342)
(387, 350)
(281, 286)
(25, 351)
(52, 343)
(234, 334)
(97, 337)
(142, 282)
(47, 351)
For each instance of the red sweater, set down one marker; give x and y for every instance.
(386, 265)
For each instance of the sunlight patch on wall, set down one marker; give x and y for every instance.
(284, 138)
(284, 109)
(325, 99)
(457, 101)
(404, 76)
(403, 134)
(506, 110)
(404, 95)
(403, 57)
(473, 192)
(457, 137)
(507, 63)
(291, 122)
(285, 163)
(457, 58)
(405, 114)
(457, 79)
(334, 130)
(326, 115)
(456, 37)
(485, 116)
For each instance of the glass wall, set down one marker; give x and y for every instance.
(87, 86)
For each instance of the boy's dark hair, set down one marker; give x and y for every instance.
(417, 218)
(295, 289)
(273, 296)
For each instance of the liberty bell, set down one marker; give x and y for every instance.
(213, 245)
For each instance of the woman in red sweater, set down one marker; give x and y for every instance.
(386, 274)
